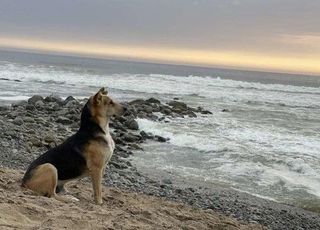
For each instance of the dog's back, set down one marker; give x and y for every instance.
(67, 158)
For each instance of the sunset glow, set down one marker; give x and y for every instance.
(235, 59)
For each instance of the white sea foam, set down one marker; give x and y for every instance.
(181, 135)
(215, 88)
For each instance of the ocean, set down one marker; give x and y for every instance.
(266, 142)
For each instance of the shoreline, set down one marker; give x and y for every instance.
(31, 127)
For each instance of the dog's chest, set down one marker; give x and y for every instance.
(110, 142)
(109, 148)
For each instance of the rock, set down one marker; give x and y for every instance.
(53, 99)
(71, 104)
(206, 112)
(153, 101)
(132, 124)
(40, 120)
(35, 141)
(68, 99)
(54, 106)
(4, 108)
(30, 107)
(19, 103)
(74, 118)
(178, 104)
(118, 165)
(17, 121)
(160, 139)
(129, 137)
(118, 141)
(135, 146)
(49, 138)
(225, 110)
(28, 119)
(167, 111)
(39, 104)
(63, 120)
(120, 119)
(191, 114)
(148, 109)
(142, 115)
(166, 181)
(145, 135)
(199, 109)
(34, 99)
(152, 117)
(137, 102)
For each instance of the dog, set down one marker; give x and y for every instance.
(86, 153)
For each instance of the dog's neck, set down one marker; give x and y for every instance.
(93, 125)
(104, 124)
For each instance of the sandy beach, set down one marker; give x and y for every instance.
(21, 209)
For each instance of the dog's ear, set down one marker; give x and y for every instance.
(98, 97)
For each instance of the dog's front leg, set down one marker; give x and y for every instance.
(96, 177)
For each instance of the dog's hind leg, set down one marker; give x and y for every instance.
(44, 181)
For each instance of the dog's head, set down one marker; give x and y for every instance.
(104, 106)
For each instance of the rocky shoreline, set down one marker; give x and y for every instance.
(31, 127)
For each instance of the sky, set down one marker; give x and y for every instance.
(270, 35)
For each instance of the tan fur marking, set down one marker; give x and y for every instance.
(44, 182)
(96, 176)
(96, 156)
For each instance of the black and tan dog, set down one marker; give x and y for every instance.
(86, 153)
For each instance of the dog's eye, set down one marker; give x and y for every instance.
(111, 103)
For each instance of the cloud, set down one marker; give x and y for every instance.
(310, 40)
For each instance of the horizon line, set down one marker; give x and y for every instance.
(58, 54)
(160, 55)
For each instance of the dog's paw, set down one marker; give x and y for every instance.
(71, 198)
(99, 202)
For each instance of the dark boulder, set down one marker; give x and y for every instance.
(145, 135)
(34, 99)
(129, 137)
(137, 102)
(178, 104)
(160, 138)
(53, 99)
(30, 107)
(153, 101)
(69, 98)
(132, 124)
(206, 112)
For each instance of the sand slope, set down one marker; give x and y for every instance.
(21, 209)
